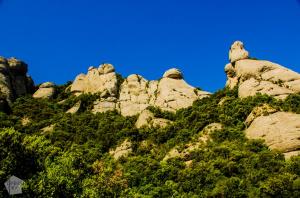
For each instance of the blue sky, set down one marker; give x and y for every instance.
(62, 38)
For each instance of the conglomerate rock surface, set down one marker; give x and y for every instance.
(136, 93)
(259, 76)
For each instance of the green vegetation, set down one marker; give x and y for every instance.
(73, 159)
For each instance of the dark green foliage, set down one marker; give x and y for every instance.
(62, 92)
(73, 160)
(120, 80)
(161, 114)
(14, 158)
(292, 103)
(100, 130)
(86, 100)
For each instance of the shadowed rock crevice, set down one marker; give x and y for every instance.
(14, 81)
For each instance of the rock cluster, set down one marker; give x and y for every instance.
(147, 118)
(14, 81)
(135, 93)
(46, 90)
(280, 130)
(98, 80)
(262, 110)
(102, 80)
(258, 76)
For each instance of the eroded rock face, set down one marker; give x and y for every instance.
(258, 111)
(75, 108)
(105, 104)
(98, 80)
(136, 93)
(237, 52)
(102, 80)
(258, 76)
(14, 81)
(173, 73)
(46, 90)
(173, 94)
(280, 130)
(170, 93)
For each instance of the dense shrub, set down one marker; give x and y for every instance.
(73, 159)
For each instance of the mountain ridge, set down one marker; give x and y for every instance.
(225, 144)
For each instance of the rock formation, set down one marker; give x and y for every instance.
(135, 93)
(102, 80)
(280, 130)
(238, 52)
(75, 108)
(258, 76)
(174, 93)
(14, 81)
(98, 80)
(146, 118)
(121, 151)
(258, 111)
(46, 90)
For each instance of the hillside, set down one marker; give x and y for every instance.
(103, 135)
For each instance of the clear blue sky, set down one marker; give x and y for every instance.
(61, 38)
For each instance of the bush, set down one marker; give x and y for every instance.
(73, 159)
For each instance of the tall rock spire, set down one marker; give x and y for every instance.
(259, 76)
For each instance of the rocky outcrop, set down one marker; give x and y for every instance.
(75, 108)
(102, 80)
(121, 151)
(173, 73)
(14, 81)
(237, 52)
(258, 111)
(46, 90)
(98, 80)
(258, 76)
(105, 104)
(136, 93)
(204, 136)
(174, 93)
(280, 130)
(147, 119)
